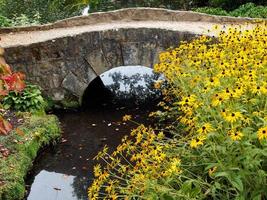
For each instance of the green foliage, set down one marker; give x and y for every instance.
(4, 22)
(104, 5)
(246, 10)
(212, 11)
(37, 131)
(231, 5)
(45, 10)
(250, 10)
(30, 99)
(22, 20)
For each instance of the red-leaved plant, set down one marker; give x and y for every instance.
(9, 81)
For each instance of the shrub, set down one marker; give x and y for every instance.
(46, 11)
(30, 99)
(250, 10)
(219, 96)
(246, 10)
(103, 5)
(212, 11)
(5, 22)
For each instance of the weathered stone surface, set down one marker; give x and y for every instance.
(130, 53)
(74, 85)
(65, 67)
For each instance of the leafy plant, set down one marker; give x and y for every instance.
(250, 10)
(211, 11)
(5, 22)
(219, 95)
(30, 99)
(9, 81)
(24, 20)
(246, 10)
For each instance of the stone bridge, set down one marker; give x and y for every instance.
(64, 57)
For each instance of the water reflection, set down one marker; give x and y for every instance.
(65, 171)
(52, 186)
(132, 83)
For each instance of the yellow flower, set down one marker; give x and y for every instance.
(188, 100)
(206, 128)
(213, 81)
(97, 170)
(217, 100)
(233, 117)
(158, 84)
(262, 133)
(126, 118)
(212, 170)
(235, 135)
(196, 142)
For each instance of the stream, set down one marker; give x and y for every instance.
(64, 171)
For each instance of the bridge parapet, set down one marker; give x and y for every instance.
(132, 14)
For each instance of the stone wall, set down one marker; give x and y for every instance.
(65, 67)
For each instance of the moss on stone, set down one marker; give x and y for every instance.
(70, 104)
(38, 130)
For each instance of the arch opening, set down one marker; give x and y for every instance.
(124, 86)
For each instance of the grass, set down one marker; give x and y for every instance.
(37, 131)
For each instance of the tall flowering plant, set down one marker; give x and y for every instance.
(216, 110)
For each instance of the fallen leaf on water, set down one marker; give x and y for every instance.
(63, 140)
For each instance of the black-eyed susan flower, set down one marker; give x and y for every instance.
(205, 128)
(126, 118)
(212, 170)
(233, 117)
(235, 135)
(195, 143)
(262, 133)
(97, 170)
(217, 99)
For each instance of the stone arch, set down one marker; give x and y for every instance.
(65, 67)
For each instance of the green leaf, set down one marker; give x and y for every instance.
(237, 183)
(166, 197)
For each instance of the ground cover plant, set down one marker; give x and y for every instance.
(216, 109)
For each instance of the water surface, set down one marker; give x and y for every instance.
(64, 171)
